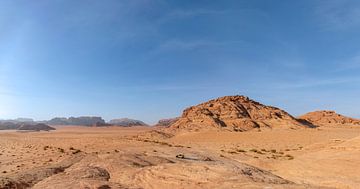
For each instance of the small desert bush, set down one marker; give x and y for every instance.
(240, 150)
(180, 156)
(254, 150)
(76, 151)
(290, 157)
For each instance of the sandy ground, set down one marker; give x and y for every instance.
(114, 157)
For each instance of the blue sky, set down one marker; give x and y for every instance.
(149, 59)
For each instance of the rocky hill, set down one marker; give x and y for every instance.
(126, 122)
(167, 122)
(235, 113)
(329, 118)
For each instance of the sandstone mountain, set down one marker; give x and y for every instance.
(35, 127)
(126, 122)
(18, 120)
(235, 113)
(329, 118)
(83, 120)
(58, 121)
(25, 126)
(167, 122)
(9, 126)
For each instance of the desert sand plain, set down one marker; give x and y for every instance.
(115, 157)
(229, 142)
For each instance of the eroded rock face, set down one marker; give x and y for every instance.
(235, 113)
(329, 118)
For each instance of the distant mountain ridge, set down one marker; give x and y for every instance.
(126, 122)
(25, 126)
(17, 120)
(83, 120)
(167, 122)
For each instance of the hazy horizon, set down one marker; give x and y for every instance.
(149, 60)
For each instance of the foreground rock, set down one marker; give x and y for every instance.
(30, 177)
(126, 122)
(137, 170)
(235, 113)
(329, 118)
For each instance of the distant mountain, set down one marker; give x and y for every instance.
(83, 120)
(24, 120)
(25, 126)
(126, 122)
(35, 127)
(18, 120)
(9, 126)
(58, 121)
(167, 122)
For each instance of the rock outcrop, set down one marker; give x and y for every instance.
(235, 113)
(167, 122)
(126, 122)
(329, 118)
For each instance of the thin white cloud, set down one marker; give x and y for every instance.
(350, 64)
(183, 14)
(191, 13)
(175, 44)
(338, 14)
(310, 83)
(346, 64)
